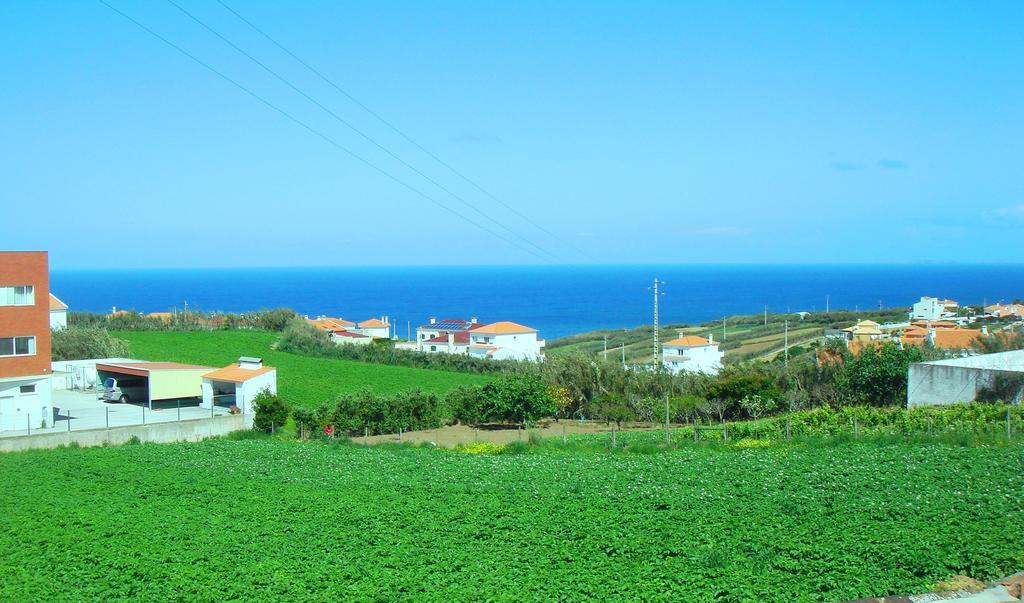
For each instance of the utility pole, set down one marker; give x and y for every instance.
(724, 318)
(826, 303)
(785, 344)
(606, 347)
(623, 348)
(657, 333)
(766, 315)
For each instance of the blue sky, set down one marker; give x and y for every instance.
(636, 132)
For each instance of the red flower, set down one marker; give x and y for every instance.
(329, 430)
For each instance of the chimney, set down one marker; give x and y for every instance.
(250, 363)
(472, 320)
(681, 334)
(711, 338)
(451, 338)
(433, 320)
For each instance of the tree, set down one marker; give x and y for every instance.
(878, 376)
(684, 408)
(576, 373)
(564, 401)
(517, 399)
(715, 408)
(757, 406)
(78, 343)
(271, 412)
(612, 407)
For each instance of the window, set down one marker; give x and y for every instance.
(22, 295)
(27, 389)
(433, 348)
(17, 346)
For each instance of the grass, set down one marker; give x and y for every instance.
(269, 519)
(302, 380)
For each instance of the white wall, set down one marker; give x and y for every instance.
(702, 359)
(340, 340)
(18, 410)
(58, 319)
(927, 309)
(245, 392)
(379, 332)
(511, 346)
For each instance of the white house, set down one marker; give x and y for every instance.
(377, 328)
(350, 338)
(692, 354)
(58, 313)
(238, 384)
(451, 342)
(932, 308)
(431, 336)
(505, 341)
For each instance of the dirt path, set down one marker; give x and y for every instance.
(449, 437)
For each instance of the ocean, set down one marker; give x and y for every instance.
(557, 300)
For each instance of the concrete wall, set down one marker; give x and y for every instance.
(960, 379)
(20, 410)
(157, 433)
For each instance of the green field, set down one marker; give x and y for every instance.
(275, 519)
(302, 380)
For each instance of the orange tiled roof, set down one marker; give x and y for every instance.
(373, 322)
(236, 374)
(955, 339)
(503, 327)
(56, 304)
(327, 323)
(688, 341)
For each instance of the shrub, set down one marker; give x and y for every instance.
(271, 412)
(310, 422)
(517, 399)
(77, 343)
(365, 410)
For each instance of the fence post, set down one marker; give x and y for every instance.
(213, 405)
(143, 414)
(28, 422)
(69, 420)
(366, 435)
(613, 436)
(272, 428)
(1008, 431)
(789, 431)
(179, 410)
(519, 432)
(106, 413)
(564, 440)
(399, 435)
(856, 428)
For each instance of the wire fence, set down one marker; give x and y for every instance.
(111, 415)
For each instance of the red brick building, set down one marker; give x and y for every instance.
(25, 363)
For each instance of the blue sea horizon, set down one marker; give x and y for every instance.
(558, 300)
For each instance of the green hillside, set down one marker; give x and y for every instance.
(743, 337)
(302, 380)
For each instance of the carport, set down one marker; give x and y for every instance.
(155, 380)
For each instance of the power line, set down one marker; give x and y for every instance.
(352, 127)
(398, 131)
(316, 132)
(312, 130)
